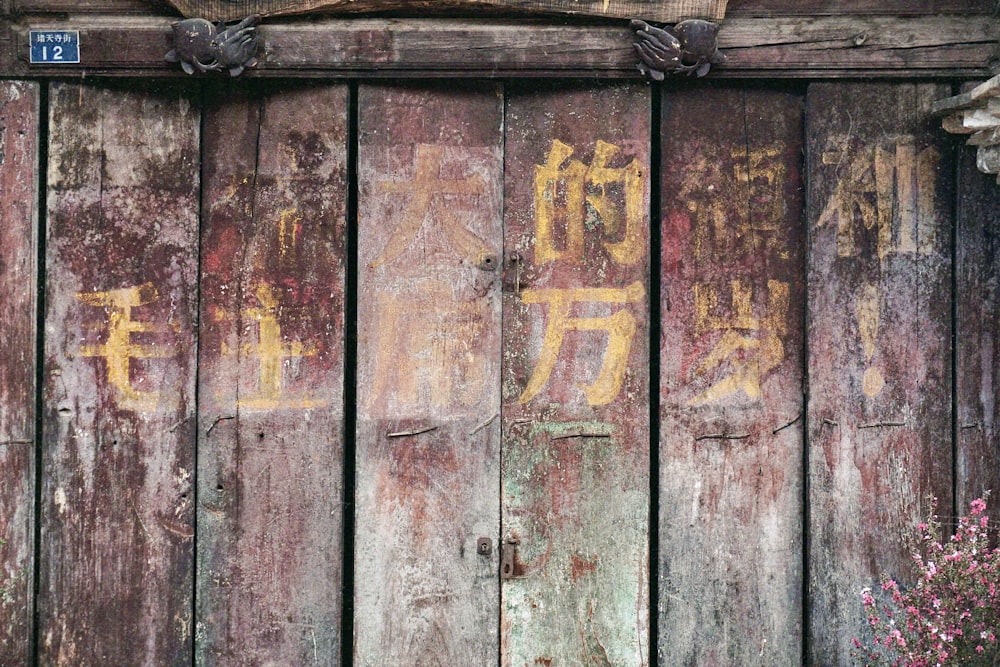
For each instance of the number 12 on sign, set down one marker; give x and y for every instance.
(55, 46)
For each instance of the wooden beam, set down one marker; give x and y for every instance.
(667, 11)
(786, 47)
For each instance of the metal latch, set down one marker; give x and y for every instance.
(508, 558)
(484, 546)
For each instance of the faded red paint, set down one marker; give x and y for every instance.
(580, 567)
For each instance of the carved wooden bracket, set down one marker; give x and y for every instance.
(976, 113)
(201, 46)
(691, 47)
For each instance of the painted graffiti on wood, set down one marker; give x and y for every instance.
(576, 376)
(620, 328)
(119, 348)
(573, 197)
(890, 187)
(716, 177)
(751, 346)
(731, 377)
(573, 200)
(120, 366)
(880, 406)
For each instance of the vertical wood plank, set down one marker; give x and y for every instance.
(977, 292)
(430, 170)
(120, 317)
(18, 249)
(271, 377)
(879, 328)
(575, 490)
(731, 350)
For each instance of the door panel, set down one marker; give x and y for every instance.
(429, 220)
(879, 330)
(119, 395)
(19, 116)
(270, 460)
(977, 292)
(575, 489)
(731, 392)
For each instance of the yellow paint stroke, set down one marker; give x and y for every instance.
(272, 352)
(422, 190)
(620, 327)
(289, 224)
(561, 188)
(751, 357)
(867, 310)
(119, 350)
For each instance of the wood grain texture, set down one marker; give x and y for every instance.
(739, 8)
(784, 47)
(271, 376)
(428, 453)
(575, 490)
(119, 419)
(668, 11)
(879, 327)
(116, 7)
(731, 351)
(18, 251)
(977, 373)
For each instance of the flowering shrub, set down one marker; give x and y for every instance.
(951, 616)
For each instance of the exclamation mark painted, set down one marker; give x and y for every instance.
(867, 310)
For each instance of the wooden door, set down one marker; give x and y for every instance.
(487, 439)
(365, 373)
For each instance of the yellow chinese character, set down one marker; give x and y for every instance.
(425, 188)
(272, 352)
(620, 327)
(429, 355)
(752, 346)
(737, 202)
(563, 190)
(889, 189)
(118, 350)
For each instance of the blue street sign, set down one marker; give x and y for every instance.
(55, 47)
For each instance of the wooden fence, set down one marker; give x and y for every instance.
(285, 366)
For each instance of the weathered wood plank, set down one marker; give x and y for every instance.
(428, 453)
(119, 419)
(931, 46)
(117, 7)
(575, 490)
(271, 376)
(879, 328)
(731, 349)
(977, 294)
(18, 250)
(667, 11)
(738, 8)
